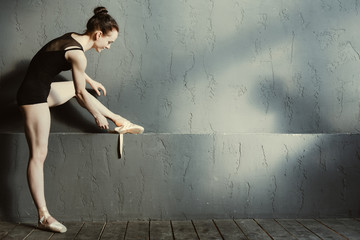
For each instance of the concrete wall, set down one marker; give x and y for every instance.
(181, 66)
(220, 87)
(187, 176)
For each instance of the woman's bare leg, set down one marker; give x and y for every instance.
(37, 128)
(62, 92)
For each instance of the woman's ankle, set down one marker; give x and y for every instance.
(119, 121)
(43, 212)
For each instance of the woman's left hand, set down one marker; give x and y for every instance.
(96, 86)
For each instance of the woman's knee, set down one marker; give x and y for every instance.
(39, 154)
(60, 93)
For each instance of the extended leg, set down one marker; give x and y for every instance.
(61, 92)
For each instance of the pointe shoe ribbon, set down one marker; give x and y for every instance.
(53, 227)
(127, 127)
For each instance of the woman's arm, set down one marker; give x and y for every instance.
(95, 85)
(78, 62)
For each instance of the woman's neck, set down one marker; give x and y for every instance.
(85, 40)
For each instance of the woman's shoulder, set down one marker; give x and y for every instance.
(75, 56)
(62, 43)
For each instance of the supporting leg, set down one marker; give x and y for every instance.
(37, 128)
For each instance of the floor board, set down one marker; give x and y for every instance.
(297, 230)
(20, 231)
(184, 230)
(227, 229)
(5, 228)
(350, 223)
(252, 230)
(161, 230)
(320, 230)
(274, 229)
(137, 230)
(114, 230)
(343, 229)
(206, 229)
(90, 230)
(39, 234)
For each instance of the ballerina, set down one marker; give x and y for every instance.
(38, 93)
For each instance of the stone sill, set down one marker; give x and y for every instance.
(187, 176)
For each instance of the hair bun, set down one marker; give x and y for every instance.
(100, 10)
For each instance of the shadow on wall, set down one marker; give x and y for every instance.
(11, 120)
(289, 111)
(69, 115)
(12, 177)
(285, 176)
(7, 197)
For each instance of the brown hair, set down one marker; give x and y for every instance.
(101, 21)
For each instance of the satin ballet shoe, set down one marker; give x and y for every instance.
(129, 127)
(53, 227)
(119, 121)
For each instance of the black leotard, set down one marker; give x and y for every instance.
(45, 65)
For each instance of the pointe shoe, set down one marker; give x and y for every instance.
(53, 227)
(129, 127)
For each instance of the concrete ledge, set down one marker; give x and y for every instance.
(182, 176)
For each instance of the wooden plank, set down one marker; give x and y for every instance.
(137, 230)
(6, 227)
(351, 223)
(114, 230)
(297, 230)
(206, 229)
(183, 230)
(160, 230)
(274, 229)
(251, 229)
(342, 228)
(229, 230)
(19, 232)
(90, 230)
(302, 229)
(39, 234)
(319, 229)
(73, 228)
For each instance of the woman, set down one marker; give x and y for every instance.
(37, 93)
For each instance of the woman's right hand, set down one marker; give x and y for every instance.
(96, 86)
(102, 122)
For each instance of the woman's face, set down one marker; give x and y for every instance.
(105, 40)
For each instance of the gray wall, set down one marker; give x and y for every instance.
(187, 176)
(220, 87)
(204, 66)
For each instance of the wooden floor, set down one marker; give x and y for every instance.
(249, 229)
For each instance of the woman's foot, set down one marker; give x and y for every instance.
(129, 127)
(125, 126)
(119, 121)
(48, 223)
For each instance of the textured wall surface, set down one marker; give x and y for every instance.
(204, 66)
(220, 87)
(187, 176)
